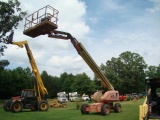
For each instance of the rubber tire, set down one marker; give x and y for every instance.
(117, 107)
(43, 105)
(105, 109)
(83, 109)
(16, 106)
(6, 105)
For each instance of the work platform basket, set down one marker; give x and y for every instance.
(41, 22)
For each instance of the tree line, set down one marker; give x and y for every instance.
(126, 73)
(14, 81)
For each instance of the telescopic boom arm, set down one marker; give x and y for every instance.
(85, 55)
(41, 90)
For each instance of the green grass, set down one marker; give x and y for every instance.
(130, 111)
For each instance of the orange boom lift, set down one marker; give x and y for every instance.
(103, 103)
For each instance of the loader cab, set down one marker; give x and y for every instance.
(29, 98)
(28, 93)
(153, 97)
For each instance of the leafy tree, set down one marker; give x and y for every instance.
(66, 86)
(83, 84)
(23, 79)
(55, 87)
(62, 79)
(44, 76)
(126, 72)
(51, 83)
(158, 71)
(6, 84)
(10, 15)
(97, 82)
(13, 81)
(153, 71)
(3, 64)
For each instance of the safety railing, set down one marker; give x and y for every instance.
(47, 12)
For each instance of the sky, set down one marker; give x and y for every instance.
(106, 28)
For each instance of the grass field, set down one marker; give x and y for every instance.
(130, 111)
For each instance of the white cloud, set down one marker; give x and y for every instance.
(143, 43)
(156, 7)
(113, 34)
(94, 20)
(65, 61)
(111, 5)
(108, 41)
(53, 55)
(69, 64)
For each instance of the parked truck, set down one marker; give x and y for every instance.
(85, 97)
(74, 96)
(62, 97)
(34, 99)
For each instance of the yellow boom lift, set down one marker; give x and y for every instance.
(103, 103)
(34, 99)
